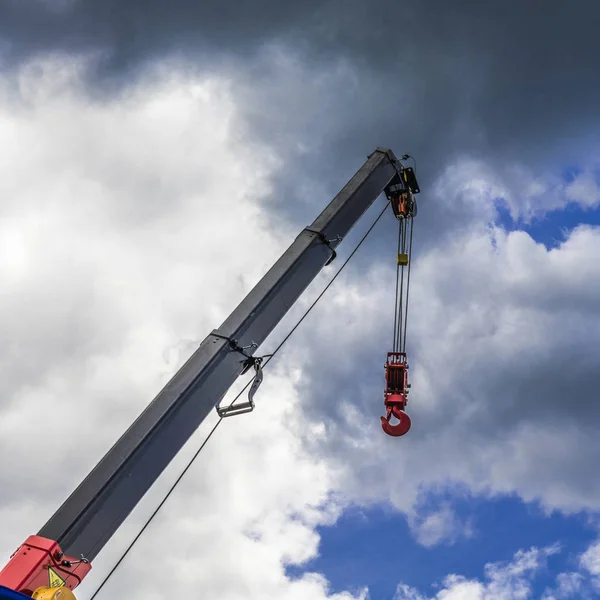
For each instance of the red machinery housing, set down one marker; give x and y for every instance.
(40, 563)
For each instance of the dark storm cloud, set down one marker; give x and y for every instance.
(133, 32)
(460, 74)
(504, 81)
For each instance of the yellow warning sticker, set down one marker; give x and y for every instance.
(55, 579)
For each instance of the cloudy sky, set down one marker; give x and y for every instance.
(155, 160)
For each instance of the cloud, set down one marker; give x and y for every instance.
(236, 522)
(441, 525)
(491, 312)
(568, 585)
(456, 82)
(584, 190)
(590, 559)
(119, 243)
(510, 581)
(516, 579)
(313, 84)
(129, 230)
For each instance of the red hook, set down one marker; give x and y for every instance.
(399, 428)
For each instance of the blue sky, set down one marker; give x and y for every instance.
(375, 547)
(552, 227)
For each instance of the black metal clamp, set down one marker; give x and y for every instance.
(72, 563)
(327, 242)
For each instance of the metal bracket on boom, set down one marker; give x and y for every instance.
(327, 242)
(245, 407)
(250, 362)
(234, 343)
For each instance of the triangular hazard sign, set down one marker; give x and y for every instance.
(55, 579)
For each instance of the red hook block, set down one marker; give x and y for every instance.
(395, 395)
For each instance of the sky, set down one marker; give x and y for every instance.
(157, 158)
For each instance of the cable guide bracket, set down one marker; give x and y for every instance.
(250, 362)
(234, 345)
(327, 242)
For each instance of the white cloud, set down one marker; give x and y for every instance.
(491, 313)
(441, 525)
(473, 183)
(501, 581)
(584, 190)
(516, 580)
(590, 559)
(130, 227)
(568, 585)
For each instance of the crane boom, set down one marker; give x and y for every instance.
(96, 509)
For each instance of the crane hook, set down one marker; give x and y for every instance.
(400, 428)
